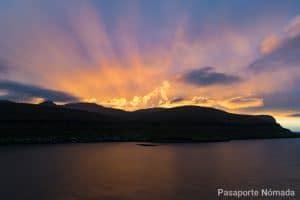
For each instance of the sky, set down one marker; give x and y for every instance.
(240, 56)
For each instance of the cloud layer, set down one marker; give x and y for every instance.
(280, 51)
(295, 115)
(18, 91)
(285, 55)
(207, 76)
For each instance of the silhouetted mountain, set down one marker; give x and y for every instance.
(48, 103)
(197, 114)
(5, 101)
(82, 122)
(32, 112)
(92, 107)
(190, 114)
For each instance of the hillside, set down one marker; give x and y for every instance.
(83, 122)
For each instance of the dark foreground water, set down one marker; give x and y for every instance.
(127, 171)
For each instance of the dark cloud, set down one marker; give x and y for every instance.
(294, 115)
(208, 76)
(177, 99)
(286, 55)
(23, 92)
(245, 100)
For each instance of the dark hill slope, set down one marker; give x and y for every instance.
(184, 114)
(92, 107)
(181, 124)
(201, 115)
(18, 111)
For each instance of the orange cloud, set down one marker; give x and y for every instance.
(269, 44)
(242, 102)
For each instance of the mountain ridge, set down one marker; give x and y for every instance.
(92, 122)
(93, 107)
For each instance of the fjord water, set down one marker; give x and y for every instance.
(128, 171)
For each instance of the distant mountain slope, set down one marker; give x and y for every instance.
(196, 114)
(48, 103)
(190, 114)
(20, 111)
(92, 107)
(91, 122)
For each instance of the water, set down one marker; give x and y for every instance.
(128, 171)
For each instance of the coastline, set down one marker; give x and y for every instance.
(82, 140)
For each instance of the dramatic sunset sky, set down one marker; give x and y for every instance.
(242, 56)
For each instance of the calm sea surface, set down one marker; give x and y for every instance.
(128, 171)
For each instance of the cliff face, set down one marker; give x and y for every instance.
(188, 123)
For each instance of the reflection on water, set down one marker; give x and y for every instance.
(129, 171)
